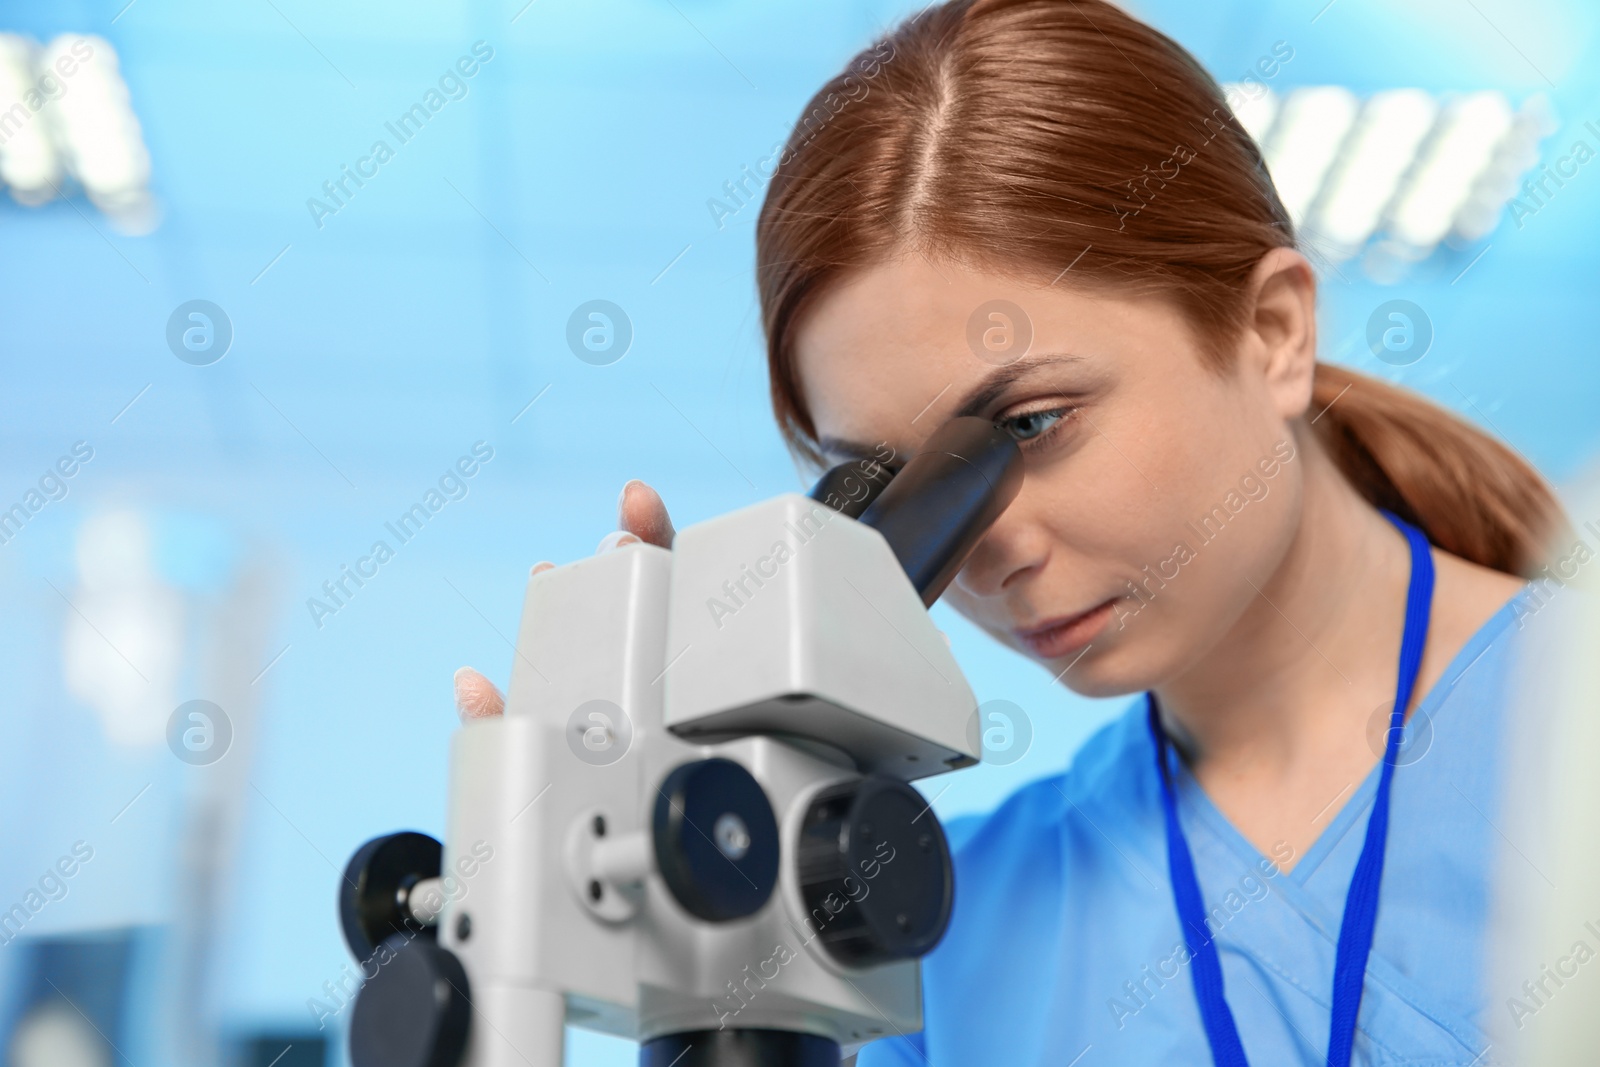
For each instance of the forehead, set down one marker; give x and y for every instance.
(892, 351)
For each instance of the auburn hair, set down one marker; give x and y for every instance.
(1042, 137)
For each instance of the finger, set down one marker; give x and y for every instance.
(640, 510)
(615, 539)
(476, 696)
(542, 566)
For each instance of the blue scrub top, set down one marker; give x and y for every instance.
(1064, 947)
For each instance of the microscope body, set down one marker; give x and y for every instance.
(692, 825)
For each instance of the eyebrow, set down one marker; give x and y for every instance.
(985, 392)
(973, 402)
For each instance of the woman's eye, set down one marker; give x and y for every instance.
(1032, 424)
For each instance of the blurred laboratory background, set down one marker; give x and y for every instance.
(273, 272)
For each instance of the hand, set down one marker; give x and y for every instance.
(641, 516)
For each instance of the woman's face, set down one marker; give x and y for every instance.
(1159, 493)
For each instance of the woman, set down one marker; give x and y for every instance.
(1044, 213)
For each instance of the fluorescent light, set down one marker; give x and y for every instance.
(1460, 148)
(29, 162)
(65, 112)
(98, 131)
(1514, 156)
(1304, 142)
(1254, 106)
(1363, 179)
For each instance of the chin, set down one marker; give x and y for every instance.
(1119, 667)
(1101, 681)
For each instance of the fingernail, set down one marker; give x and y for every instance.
(623, 496)
(462, 680)
(614, 539)
(476, 697)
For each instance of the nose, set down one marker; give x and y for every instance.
(1013, 548)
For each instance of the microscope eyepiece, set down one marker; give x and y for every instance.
(940, 504)
(850, 488)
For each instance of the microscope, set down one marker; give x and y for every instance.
(693, 825)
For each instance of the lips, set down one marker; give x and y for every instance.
(1066, 634)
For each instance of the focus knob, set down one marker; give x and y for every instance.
(875, 872)
(373, 891)
(416, 1009)
(716, 840)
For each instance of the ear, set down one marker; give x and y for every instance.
(1280, 339)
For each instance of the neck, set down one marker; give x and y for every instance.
(1315, 648)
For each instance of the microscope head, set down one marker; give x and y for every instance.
(792, 618)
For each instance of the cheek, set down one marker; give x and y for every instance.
(986, 613)
(1143, 471)
(1188, 544)
(1193, 595)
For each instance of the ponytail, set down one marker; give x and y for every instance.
(1471, 495)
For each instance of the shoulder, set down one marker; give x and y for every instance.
(1111, 773)
(1467, 595)
(1052, 857)
(1476, 612)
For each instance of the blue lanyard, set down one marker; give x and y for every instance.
(1360, 906)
